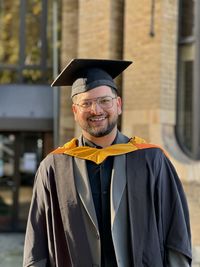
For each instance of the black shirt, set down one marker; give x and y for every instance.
(100, 179)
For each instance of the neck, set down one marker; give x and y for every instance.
(103, 141)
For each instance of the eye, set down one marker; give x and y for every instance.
(85, 104)
(105, 100)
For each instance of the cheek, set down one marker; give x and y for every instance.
(78, 116)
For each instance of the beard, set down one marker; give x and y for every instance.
(102, 131)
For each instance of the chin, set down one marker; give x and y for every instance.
(101, 133)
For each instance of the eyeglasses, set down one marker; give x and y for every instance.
(104, 102)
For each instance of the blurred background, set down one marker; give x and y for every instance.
(160, 90)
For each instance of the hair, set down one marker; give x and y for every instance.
(114, 91)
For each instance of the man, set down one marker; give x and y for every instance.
(105, 199)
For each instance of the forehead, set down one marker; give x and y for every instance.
(103, 90)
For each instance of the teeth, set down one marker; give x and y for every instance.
(97, 119)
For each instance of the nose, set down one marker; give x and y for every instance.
(95, 108)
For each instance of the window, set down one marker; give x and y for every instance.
(188, 93)
(26, 41)
(20, 155)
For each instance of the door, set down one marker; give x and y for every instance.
(20, 155)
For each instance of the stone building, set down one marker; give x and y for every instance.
(159, 89)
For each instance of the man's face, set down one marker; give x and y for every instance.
(94, 113)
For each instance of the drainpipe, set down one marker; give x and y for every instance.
(56, 90)
(196, 93)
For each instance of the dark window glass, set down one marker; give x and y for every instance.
(188, 111)
(186, 18)
(33, 28)
(9, 31)
(187, 105)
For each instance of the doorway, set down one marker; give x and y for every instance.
(20, 155)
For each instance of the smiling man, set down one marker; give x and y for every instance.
(97, 111)
(105, 199)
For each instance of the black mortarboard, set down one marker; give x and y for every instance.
(86, 74)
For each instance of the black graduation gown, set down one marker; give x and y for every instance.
(158, 213)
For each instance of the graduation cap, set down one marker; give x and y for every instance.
(86, 74)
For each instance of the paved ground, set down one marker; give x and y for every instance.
(11, 249)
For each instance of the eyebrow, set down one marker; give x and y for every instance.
(89, 99)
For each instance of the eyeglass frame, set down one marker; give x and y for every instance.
(97, 101)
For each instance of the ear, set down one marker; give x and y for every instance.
(74, 110)
(119, 105)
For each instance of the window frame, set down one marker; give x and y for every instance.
(20, 66)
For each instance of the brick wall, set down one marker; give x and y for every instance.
(69, 46)
(141, 88)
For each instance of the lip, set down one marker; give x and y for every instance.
(98, 120)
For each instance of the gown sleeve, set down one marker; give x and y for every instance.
(174, 215)
(35, 248)
(176, 259)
